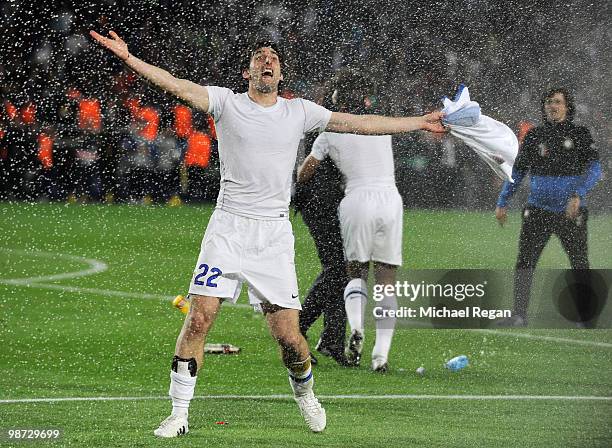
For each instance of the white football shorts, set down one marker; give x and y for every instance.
(237, 250)
(371, 220)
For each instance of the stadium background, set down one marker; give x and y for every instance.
(86, 327)
(508, 53)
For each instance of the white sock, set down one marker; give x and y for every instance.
(355, 298)
(181, 391)
(301, 383)
(384, 329)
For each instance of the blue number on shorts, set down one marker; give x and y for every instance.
(210, 282)
(197, 280)
(217, 272)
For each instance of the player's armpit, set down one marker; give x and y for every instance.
(193, 93)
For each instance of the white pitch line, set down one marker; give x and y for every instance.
(547, 338)
(147, 296)
(96, 291)
(95, 266)
(324, 397)
(112, 293)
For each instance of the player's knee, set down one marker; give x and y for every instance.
(199, 322)
(290, 341)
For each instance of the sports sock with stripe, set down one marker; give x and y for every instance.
(355, 298)
(300, 377)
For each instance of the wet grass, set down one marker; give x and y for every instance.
(58, 343)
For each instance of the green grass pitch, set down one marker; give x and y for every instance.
(111, 334)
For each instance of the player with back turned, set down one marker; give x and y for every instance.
(563, 166)
(249, 237)
(370, 214)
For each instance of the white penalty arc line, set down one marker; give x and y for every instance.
(324, 397)
(95, 266)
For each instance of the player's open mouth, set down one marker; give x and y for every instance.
(267, 73)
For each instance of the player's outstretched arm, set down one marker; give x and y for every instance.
(188, 91)
(379, 125)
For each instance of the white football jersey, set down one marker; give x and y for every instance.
(257, 150)
(364, 160)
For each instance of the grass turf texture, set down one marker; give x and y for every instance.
(84, 344)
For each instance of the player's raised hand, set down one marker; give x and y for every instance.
(433, 122)
(501, 215)
(114, 44)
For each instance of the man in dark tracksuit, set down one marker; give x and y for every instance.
(317, 200)
(564, 167)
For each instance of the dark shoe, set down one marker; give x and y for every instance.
(322, 349)
(337, 354)
(341, 359)
(354, 348)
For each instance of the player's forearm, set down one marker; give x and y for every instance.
(374, 124)
(157, 76)
(303, 174)
(589, 180)
(509, 188)
(307, 170)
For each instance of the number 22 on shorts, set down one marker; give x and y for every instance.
(204, 271)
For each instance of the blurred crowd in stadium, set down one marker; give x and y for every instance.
(76, 125)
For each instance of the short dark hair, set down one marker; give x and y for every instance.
(569, 102)
(251, 48)
(352, 88)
